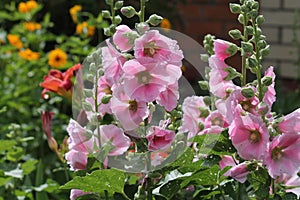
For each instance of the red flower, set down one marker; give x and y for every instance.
(59, 82)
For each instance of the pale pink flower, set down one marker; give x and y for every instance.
(290, 123)
(192, 118)
(112, 61)
(154, 47)
(121, 38)
(76, 159)
(75, 193)
(221, 49)
(214, 123)
(115, 137)
(238, 172)
(144, 82)
(159, 138)
(226, 161)
(283, 155)
(250, 136)
(169, 97)
(79, 138)
(293, 182)
(217, 83)
(270, 95)
(130, 113)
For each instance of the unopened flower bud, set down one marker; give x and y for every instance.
(105, 14)
(119, 5)
(267, 80)
(128, 11)
(142, 27)
(235, 8)
(235, 34)
(247, 47)
(260, 20)
(118, 19)
(52, 144)
(248, 92)
(262, 108)
(154, 20)
(203, 85)
(106, 99)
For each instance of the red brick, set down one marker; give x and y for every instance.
(191, 11)
(218, 12)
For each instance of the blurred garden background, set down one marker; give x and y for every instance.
(40, 40)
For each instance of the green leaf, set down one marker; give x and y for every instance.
(3, 180)
(98, 181)
(289, 196)
(7, 144)
(28, 166)
(169, 189)
(260, 182)
(16, 154)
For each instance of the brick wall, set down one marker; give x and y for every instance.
(279, 29)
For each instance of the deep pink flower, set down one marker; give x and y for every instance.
(270, 95)
(249, 136)
(76, 159)
(130, 113)
(217, 83)
(115, 137)
(283, 155)
(290, 123)
(144, 82)
(222, 49)
(112, 61)
(154, 47)
(238, 172)
(121, 38)
(226, 161)
(192, 119)
(75, 193)
(159, 138)
(214, 123)
(46, 126)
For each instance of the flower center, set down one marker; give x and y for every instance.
(57, 58)
(217, 122)
(276, 153)
(150, 49)
(144, 77)
(133, 105)
(246, 105)
(254, 136)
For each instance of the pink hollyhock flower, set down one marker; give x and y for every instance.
(290, 123)
(169, 97)
(104, 85)
(123, 38)
(76, 159)
(154, 47)
(250, 136)
(224, 49)
(192, 118)
(159, 138)
(130, 113)
(115, 137)
(144, 82)
(226, 161)
(270, 95)
(218, 86)
(214, 123)
(238, 172)
(75, 193)
(228, 107)
(291, 181)
(112, 61)
(283, 155)
(79, 139)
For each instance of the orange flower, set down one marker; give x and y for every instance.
(29, 55)
(32, 26)
(25, 7)
(165, 23)
(14, 40)
(57, 58)
(84, 28)
(73, 12)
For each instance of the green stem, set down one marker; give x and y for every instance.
(113, 13)
(258, 59)
(220, 187)
(273, 186)
(142, 11)
(244, 57)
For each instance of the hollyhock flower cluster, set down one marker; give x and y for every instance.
(256, 133)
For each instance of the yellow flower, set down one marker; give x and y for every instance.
(32, 26)
(15, 41)
(165, 23)
(29, 55)
(73, 12)
(25, 7)
(57, 58)
(84, 28)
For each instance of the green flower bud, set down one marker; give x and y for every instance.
(248, 92)
(241, 19)
(267, 80)
(252, 14)
(105, 14)
(252, 63)
(87, 106)
(255, 5)
(118, 19)
(154, 20)
(264, 52)
(204, 112)
(119, 5)
(203, 85)
(232, 74)
(249, 30)
(107, 31)
(261, 44)
(207, 100)
(235, 34)
(260, 20)
(109, 2)
(235, 8)
(88, 93)
(232, 49)
(93, 68)
(247, 47)
(128, 11)
(106, 99)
